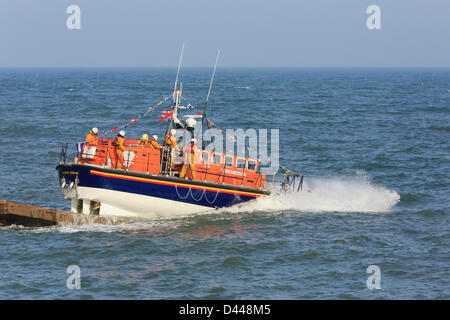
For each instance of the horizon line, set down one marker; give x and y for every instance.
(226, 67)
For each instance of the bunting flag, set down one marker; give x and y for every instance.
(287, 171)
(80, 147)
(140, 115)
(165, 115)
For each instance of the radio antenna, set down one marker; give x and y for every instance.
(179, 66)
(176, 93)
(212, 79)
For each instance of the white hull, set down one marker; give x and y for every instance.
(124, 204)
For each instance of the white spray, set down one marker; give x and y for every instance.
(344, 194)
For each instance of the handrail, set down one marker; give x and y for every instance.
(259, 177)
(62, 156)
(157, 162)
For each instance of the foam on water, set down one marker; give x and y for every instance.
(339, 194)
(130, 225)
(342, 194)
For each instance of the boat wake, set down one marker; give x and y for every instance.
(340, 194)
(343, 194)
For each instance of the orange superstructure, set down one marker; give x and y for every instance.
(209, 166)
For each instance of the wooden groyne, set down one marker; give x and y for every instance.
(34, 216)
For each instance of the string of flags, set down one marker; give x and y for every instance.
(232, 138)
(140, 115)
(209, 124)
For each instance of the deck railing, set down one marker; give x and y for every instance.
(137, 158)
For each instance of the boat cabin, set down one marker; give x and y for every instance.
(210, 166)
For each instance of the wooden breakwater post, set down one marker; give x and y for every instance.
(34, 216)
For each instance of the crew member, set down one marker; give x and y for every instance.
(190, 153)
(120, 147)
(154, 142)
(144, 141)
(171, 141)
(91, 136)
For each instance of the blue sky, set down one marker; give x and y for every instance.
(250, 33)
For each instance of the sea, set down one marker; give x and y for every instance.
(372, 220)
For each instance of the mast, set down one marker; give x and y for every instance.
(179, 66)
(209, 92)
(176, 96)
(211, 82)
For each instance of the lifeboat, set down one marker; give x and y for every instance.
(148, 186)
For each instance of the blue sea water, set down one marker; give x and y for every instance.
(373, 145)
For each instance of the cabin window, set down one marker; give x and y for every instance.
(217, 158)
(240, 163)
(205, 156)
(251, 165)
(229, 161)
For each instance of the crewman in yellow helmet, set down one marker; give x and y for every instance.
(91, 136)
(144, 141)
(190, 153)
(120, 148)
(154, 142)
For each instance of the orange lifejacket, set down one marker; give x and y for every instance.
(171, 141)
(154, 144)
(120, 146)
(91, 138)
